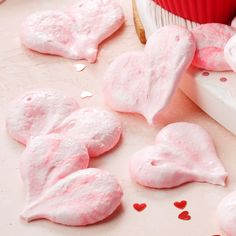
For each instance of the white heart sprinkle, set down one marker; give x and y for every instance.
(86, 94)
(79, 67)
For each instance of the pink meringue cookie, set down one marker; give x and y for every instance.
(144, 82)
(38, 112)
(98, 129)
(82, 198)
(49, 158)
(73, 34)
(230, 52)
(233, 23)
(227, 214)
(183, 153)
(211, 39)
(96, 20)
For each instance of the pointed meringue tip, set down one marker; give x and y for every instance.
(26, 215)
(222, 180)
(222, 183)
(150, 120)
(91, 55)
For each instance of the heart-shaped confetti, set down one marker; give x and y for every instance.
(143, 82)
(86, 94)
(75, 33)
(139, 206)
(79, 67)
(184, 216)
(183, 153)
(181, 204)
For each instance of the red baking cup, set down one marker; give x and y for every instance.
(201, 11)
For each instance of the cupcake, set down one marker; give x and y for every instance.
(201, 11)
(154, 14)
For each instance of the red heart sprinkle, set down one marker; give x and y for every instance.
(180, 205)
(139, 207)
(184, 215)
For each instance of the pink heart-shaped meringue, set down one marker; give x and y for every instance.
(143, 82)
(75, 33)
(98, 129)
(42, 112)
(38, 112)
(49, 158)
(211, 39)
(230, 52)
(183, 153)
(226, 213)
(84, 197)
(233, 22)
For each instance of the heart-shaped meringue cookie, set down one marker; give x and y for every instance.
(143, 82)
(233, 22)
(74, 34)
(211, 39)
(38, 112)
(183, 153)
(226, 213)
(98, 129)
(84, 197)
(230, 52)
(49, 158)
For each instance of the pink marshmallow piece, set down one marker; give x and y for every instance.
(226, 213)
(38, 112)
(98, 129)
(49, 158)
(183, 153)
(82, 198)
(230, 52)
(73, 34)
(211, 40)
(144, 82)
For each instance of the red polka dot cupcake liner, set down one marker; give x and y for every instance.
(201, 11)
